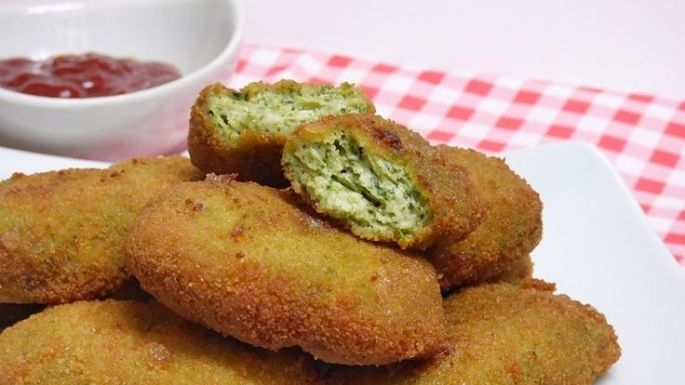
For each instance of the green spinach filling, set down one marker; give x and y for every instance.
(275, 112)
(351, 184)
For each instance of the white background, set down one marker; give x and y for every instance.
(624, 45)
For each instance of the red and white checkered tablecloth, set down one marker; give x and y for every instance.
(643, 135)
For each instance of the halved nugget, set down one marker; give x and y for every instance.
(380, 180)
(62, 232)
(249, 262)
(509, 231)
(243, 131)
(504, 334)
(128, 342)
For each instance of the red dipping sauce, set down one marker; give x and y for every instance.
(83, 76)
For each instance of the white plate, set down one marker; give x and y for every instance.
(597, 247)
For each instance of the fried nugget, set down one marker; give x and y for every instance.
(509, 231)
(62, 233)
(380, 180)
(243, 131)
(502, 334)
(249, 262)
(128, 342)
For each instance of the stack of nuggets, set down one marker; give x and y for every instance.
(497, 334)
(347, 264)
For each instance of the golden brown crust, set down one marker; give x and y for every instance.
(518, 272)
(510, 229)
(454, 202)
(62, 233)
(128, 342)
(254, 156)
(504, 334)
(247, 261)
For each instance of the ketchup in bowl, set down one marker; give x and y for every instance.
(83, 76)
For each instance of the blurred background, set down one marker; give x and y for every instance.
(624, 45)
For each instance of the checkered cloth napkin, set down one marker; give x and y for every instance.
(643, 135)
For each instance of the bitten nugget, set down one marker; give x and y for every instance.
(502, 334)
(510, 229)
(243, 131)
(380, 180)
(62, 233)
(245, 260)
(128, 342)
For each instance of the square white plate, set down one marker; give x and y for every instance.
(597, 246)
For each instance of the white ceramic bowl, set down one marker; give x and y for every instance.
(199, 37)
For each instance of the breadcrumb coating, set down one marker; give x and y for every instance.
(62, 233)
(510, 229)
(501, 334)
(128, 342)
(251, 262)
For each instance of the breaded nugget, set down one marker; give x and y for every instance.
(380, 180)
(243, 131)
(501, 334)
(62, 233)
(128, 342)
(510, 229)
(247, 261)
